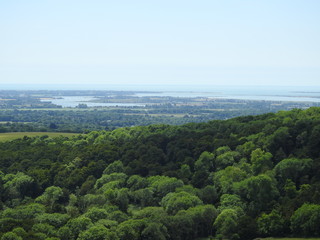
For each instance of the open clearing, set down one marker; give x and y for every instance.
(14, 135)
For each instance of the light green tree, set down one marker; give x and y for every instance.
(78, 225)
(226, 224)
(271, 224)
(131, 229)
(10, 236)
(306, 220)
(17, 185)
(97, 233)
(50, 196)
(261, 161)
(174, 202)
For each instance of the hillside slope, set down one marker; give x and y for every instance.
(242, 178)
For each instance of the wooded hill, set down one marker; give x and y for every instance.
(242, 178)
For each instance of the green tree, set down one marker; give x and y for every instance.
(226, 224)
(54, 219)
(24, 212)
(260, 191)
(162, 185)
(180, 226)
(136, 182)
(202, 168)
(306, 220)
(65, 233)
(203, 217)
(208, 194)
(314, 141)
(246, 149)
(292, 168)
(131, 229)
(174, 202)
(95, 214)
(185, 173)
(10, 236)
(122, 199)
(281, 138)
(107, 178)
(50, 196)
(20, 232)
(221, 150)
(226, 159)
(290, 189)
(231, 201)
(225, 179)
(44, 228)
(97, 233)
(271, 224)
(90, 200)
(261, 161)
(78, 225)
(17, 185)
(115, 167)
(153, 214)
(154, 231)
(143, 197)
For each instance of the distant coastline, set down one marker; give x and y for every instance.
(259, 93)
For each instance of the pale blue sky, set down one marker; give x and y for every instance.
(204, 42)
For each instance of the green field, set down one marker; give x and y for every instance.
(15, 135)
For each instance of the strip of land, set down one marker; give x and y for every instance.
(15, 135)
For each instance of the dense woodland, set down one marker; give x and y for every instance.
(242, 178)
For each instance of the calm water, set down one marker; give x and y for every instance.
(291, 93)
(268, 93)
(74, 101)
(292, 97)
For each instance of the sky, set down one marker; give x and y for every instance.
(176, 42)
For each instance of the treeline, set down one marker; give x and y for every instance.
(83, 120)
(80, 121)
(247, 177)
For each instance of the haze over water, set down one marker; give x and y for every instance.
(267, 93)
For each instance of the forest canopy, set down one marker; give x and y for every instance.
(242, 178)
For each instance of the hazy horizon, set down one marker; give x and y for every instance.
(236, 89)
(140, 43)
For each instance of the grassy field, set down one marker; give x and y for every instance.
(15, 135)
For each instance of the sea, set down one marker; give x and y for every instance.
(242, 92)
